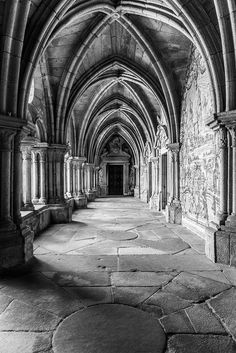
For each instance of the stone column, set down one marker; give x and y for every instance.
(80, 199)
(60, 210)
(231, 220)
(35, 177)
(155, 199)
(6, 146)
(74, 177)
(15, 238)
(223, 174)
(43, 179)
(65, 178)
(89, 191)
(173, 209)
(137, 181)
(26, 150)
(69, 176)
(126, 179)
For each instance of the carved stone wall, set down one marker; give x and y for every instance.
(199, 156)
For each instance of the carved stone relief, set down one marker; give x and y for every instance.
(199, 155)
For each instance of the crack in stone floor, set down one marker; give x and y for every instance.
(119, 279)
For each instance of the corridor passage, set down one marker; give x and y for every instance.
(118, 279)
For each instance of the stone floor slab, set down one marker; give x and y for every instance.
(82, 279)
(23, 317)
(132, 295)
(38, 291)
(25, 342)
(127, 330)
(177, 323)
(141, 279)
(194, 287)
(91, 295)
(224, 306)
(200, 344)
(203, 320)
(4, 302)
(169, 303)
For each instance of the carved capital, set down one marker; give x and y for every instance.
(232, 130)
(26, 152)
(223, 137)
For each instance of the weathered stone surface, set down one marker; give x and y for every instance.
(27, 342)
(203, 320)
(126, 330)
(193, 287)
(64, 263)
(222, 244)
(153, 310)
(49, 296)
(82, 279)
(139, 279)
(218, 276)
(167, 246)
(4, 302)
(177, 323)
(132, 295)
(118, 235)
(233, 249)
(166, 263)
(225, 308)
(22, 317)
(200, 343)
(91, 295)
(168, 302)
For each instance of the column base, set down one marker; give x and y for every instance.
(154, 203)
(16, 248)
(81, 201)
(27, 207)
(90, 196)
(136, 192)
(225, 245)
(174, 212)
(61, 213)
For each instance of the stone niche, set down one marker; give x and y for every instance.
(116, 153)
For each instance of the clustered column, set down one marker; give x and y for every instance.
(26, 149)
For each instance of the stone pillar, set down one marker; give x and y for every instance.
(89, 192)
(43, 178)
(173, 209)
(155, 198)
(16, 241)
(61, 211)
(65, 178)
(126, 179)
(231, 220)
(69, 176)
(35, 177)
(137, 182)
(74, 177)
(223, 175)
(6, 185)
(26, 150)
(80, 199)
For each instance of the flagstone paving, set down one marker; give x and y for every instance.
(119, 279)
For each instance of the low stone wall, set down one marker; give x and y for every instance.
(42, 217)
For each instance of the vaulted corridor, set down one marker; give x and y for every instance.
(119, 279)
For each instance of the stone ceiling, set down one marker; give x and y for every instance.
(114, 65)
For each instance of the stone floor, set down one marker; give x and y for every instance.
(118, 279)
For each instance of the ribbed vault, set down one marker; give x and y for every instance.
(100, 63)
